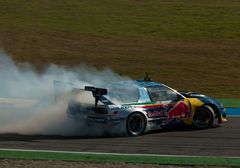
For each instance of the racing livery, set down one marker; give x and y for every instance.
(144, 105)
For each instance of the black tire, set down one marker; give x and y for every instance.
(203, 117)
(136, 124)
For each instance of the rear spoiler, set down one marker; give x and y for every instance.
(96, 92)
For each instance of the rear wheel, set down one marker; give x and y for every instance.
(203, 117)
(136, 124)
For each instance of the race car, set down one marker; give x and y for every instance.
(136, 107)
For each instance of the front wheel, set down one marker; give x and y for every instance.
(136, 124)
(203, 117)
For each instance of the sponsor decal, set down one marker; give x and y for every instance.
(126, 107)
(105, 120)
(155, 113)
(180, 111)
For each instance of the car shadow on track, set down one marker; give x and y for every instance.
(32, 138)
(179, 128)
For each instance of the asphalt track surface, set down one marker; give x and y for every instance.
(217, 141)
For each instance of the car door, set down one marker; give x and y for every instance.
(169, 104)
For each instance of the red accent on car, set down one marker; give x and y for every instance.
(115, 113)
(180, 111)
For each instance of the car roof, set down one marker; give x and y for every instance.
(135, 83)
(144, 83)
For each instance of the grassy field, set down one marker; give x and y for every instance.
(133, 159)
(188, 44)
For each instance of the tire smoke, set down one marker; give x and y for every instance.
(27, 98)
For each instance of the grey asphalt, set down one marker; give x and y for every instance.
(217, 141)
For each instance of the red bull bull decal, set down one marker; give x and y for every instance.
(180, 111)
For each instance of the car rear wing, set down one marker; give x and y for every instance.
(61, 88)
(96, 92)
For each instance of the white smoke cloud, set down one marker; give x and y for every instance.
(27, 104)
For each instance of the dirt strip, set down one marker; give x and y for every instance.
(12, 163)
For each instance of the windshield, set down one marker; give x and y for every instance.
(162, 93)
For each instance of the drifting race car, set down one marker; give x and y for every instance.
(140, 106)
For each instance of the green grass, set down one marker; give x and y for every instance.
(233, 103)
(174, 19)
(189, 44)
(103, 158)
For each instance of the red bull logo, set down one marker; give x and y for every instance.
(180, 111)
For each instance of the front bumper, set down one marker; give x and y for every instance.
(223, 115)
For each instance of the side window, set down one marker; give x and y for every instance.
(162, 93)
(124, 95)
